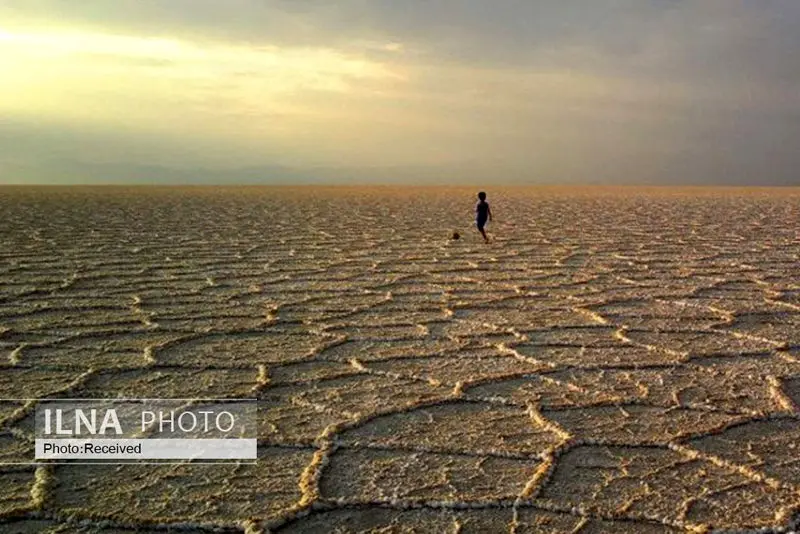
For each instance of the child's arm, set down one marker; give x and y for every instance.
(489, 211)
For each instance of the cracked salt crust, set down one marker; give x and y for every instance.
(615, 361)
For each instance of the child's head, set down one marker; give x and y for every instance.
(482, 195)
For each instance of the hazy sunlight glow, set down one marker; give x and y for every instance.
(611, 91)
(50, 70)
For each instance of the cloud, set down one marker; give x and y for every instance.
(572, 90)
(515, 32)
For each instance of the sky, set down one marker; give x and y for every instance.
(401, 91)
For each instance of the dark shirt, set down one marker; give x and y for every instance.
(482, 210)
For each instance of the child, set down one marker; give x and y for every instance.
(482, 214)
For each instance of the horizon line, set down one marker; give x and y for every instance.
(398, 185)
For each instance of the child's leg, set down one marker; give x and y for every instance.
(482, 230)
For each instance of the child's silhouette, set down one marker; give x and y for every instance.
(482, 214)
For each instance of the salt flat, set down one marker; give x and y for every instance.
(616, 360)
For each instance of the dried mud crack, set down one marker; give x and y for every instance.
(614, 361)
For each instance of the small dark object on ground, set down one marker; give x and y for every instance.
(456, 235)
